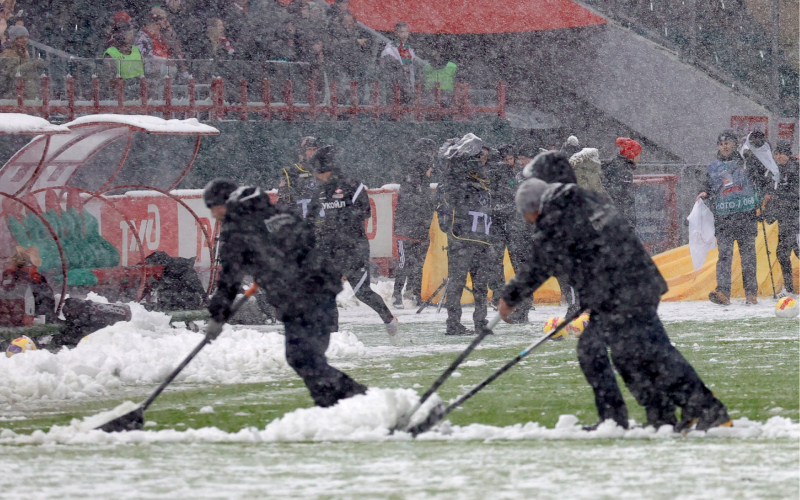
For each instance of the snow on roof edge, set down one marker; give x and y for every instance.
(22, 124)
(152, 124)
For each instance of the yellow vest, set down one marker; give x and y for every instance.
(129, 66)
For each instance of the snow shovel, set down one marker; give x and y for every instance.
(134, 420)
(435, 413)
(432, 420)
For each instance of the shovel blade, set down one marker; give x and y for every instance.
(435, 416)
(131, 421)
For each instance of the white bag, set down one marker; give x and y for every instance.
(701, 233)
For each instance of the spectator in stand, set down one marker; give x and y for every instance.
(734, 201)
(337, 10)
(6, 11)
(619, 178)
(284, 47)
(14, 59)
(351, 48)
(398, 60)
(440, 70)
(185, 25)
(120, 47)
(217, 45)
(153, 44)
(785, 208)
(586, 164)
(237, 23)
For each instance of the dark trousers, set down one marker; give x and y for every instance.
(742, 229)
(519, 249)
(307, 338)
(655, 372)
(787, 242)
(412, 257)
(467, 258)
(360, 274)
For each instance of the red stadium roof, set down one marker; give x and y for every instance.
(472, 16)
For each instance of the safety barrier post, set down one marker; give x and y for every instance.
(501, 100)
(192, 90)
(143, 92)
(376, 103)
(437, 98)
(19, 85)
(266, 97)
(396, 100)
(119, 89)
(353, 100)
(168, 98)
(243, 99)
(45, 88)
(288, 98)
(418, 101)
(217, 98)
(96, 94)
(70, 98)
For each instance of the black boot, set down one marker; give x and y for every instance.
(457, 329)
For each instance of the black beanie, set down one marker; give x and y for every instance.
(217, 191)
(784, 147)
(322, 161)
(727, 135)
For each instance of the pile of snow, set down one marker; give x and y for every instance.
(347, 299)
(151, 124)
(144, 351)
(18, 123)
(370, 417)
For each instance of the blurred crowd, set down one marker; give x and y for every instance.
(186, 37)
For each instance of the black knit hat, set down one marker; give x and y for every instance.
(784, 147)
(322, 161)
(727, 135)
(218, 191)
(507, 150)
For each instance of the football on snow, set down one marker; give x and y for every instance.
(786, 308)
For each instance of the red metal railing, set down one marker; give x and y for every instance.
(217, 108)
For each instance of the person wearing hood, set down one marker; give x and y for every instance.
(618, 178)
(553, 166)
(579, 234)
(290, 266)
(784, 207)
(412, 221)
(297, 185)
(465, 215)
(339, 211)
(734, 201)
(586, 164)
(507, 225)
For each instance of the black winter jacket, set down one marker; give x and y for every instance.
(297, 188)
(415, 202)
(618, 181)
(278, 250)
(465, 208)
(785, 205)
(339, 212)
(580, 235)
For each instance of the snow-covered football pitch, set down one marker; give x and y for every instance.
(238, 423)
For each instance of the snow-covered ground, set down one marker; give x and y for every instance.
(362, 459)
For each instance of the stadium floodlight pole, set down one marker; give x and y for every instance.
(134, 420)
(430, 422)
(404, 420)
(769, 264)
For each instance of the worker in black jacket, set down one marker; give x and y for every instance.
(784, 207)
(297, 184)
(554, 166)
(279, 251)
(579, 234)
(339, 212)
(412, 221)
(465, 215)
(508, 226)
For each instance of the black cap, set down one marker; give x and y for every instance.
(507, 150)
(425, 146)
(322, 161)
(218, 191)
(784, 147)
(727, 135)
(551, 166)
(757, 138)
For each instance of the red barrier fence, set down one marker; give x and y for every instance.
(217, 108)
